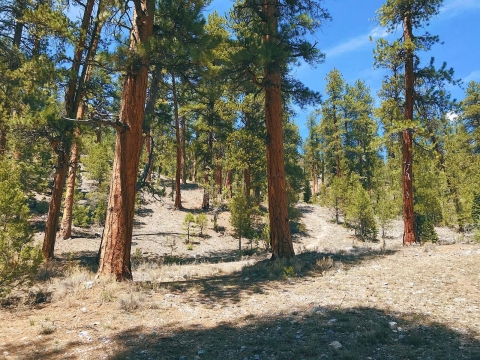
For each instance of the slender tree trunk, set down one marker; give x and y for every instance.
(183, 161)
(228, 182)
(117, 236)
(218, 173)
(56, 200)
(206, 194)
(280, 237)
(148, 118)
(66, 226)
(247, 181)
(63, 150)
(178, 170)
(194, 170)
(407, 144)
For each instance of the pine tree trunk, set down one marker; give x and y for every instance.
(178, 169)
(407, 144)
(206, 194)
(63, 150)
(182, 143)
(218, 173)
(66, 226)
(280, 237)
(148, 150)
(228, 182)
(117, 236)
(56, 200)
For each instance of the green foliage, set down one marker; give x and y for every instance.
(19, 258)
(359, 212)
(201, 220)
(425, 228)
(188, 221)
(241, 216)
(81, 215)
(307, 191)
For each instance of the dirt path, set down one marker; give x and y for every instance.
(338, 299)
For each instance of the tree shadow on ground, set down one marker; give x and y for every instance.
(308, 333)
(261, 274)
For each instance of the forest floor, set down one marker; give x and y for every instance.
(339, 298)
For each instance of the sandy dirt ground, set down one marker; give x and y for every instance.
(340, 298)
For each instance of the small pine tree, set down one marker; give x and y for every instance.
(476, 209)
(307, 191)
(201, 221)
(359, 213)
(241, 216)
(19, 259)
(188, 221)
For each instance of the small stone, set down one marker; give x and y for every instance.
(242, 349)
(393, 325)
(84, 309)
(246, 279)
(201, 352)
(88, 284)
(256, 357)
(332, 321)
(182, 358)
(335, 344)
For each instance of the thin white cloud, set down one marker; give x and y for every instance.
(356, 43)
(455, 7)
(473, 76)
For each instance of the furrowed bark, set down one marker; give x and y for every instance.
(407, 143)
(280, 237)
(116, 244)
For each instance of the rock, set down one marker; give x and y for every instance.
(201, 352)
(256, 357)
(246, 279)
(331, 321)
(88, 284)
(182, 358)
(393, 325)
(84, 309)
(242, 349)
(335, 344)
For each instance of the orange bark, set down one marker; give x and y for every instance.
(56, 201)
(280, 236)
(116, 244)
(407, 144)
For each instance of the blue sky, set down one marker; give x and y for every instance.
(345, 41)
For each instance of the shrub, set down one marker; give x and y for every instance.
(201, 220)
(81, 216)
(19, 259)
(189, 219)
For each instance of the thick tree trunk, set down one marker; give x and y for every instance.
(178, 170)
(56, 200)
(407, 144)
(117, 236)
(280, 237)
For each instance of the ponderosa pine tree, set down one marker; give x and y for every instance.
(84, 78)
(114, 257)
(410, 14)
(274, 44)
